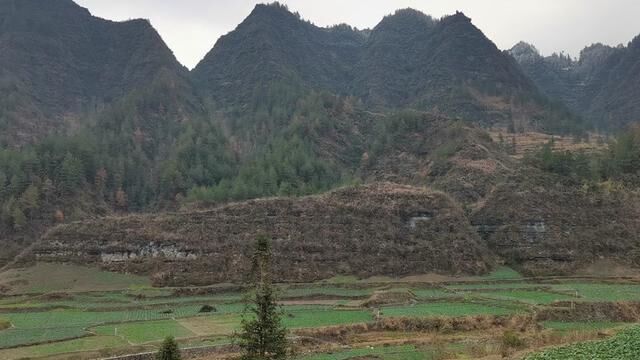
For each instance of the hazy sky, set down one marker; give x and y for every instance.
(191, 27)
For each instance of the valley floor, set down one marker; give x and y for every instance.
(61, 311)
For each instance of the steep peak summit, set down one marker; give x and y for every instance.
(273, 10)
(459, 16)
(524, 48)
(524, 51)
(407, 16)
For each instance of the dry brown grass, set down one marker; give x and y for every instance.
(361, 231)
(581, 311)
(388, 297)
(529, 141)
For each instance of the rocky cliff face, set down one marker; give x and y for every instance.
(380, 229)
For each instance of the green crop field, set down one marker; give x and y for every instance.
(403, 352)
(624, 346)
(36, 327)
(44, 333)
(496, 286)
(527, 296)
(326, 317)
(445, 309)
(83, 344)
(601, 292)
(326, 291)
(137, 317)
(146, 331)
(581, 326)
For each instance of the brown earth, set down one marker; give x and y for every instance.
(378, 229)
(530, 141)
(580, 311)
(543, 225)
(388, 297)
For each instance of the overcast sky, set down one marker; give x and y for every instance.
(191, 27)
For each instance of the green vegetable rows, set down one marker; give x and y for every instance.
(624, 346)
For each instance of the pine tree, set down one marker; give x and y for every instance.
(168, 350)
(71, 174)
(263, 335)
(19, 220)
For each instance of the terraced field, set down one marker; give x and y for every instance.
(137, 317)
(408, 352)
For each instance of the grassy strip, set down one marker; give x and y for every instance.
(581, 326)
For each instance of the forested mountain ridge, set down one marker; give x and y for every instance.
(408, 60)
(273, 47)
(601, 85)
(60, 65)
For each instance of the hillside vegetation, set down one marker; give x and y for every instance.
(283, 108)
(600, 85)
(415, 231)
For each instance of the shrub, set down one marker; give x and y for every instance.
(207, 309)
(169, 350)
(511, 340)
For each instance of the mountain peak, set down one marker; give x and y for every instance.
(524, 51)
(407, 15)
(524, 47)
(271, 10)
(55, 7)
(459, 16)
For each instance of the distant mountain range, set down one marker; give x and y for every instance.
(408, 60)
(601, 86)
(60, 65)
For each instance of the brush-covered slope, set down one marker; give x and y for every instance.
(378, 229)
(58, 63)
(601, 85)
(546, 225)
(447, 65)
(275, 50)
(408, 60)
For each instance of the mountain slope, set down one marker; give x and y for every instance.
(600, 85)
(59, 63)
(274, 47)
(407, 60)
(448, 65)
(377, 229)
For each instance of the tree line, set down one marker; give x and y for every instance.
(620, 161)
